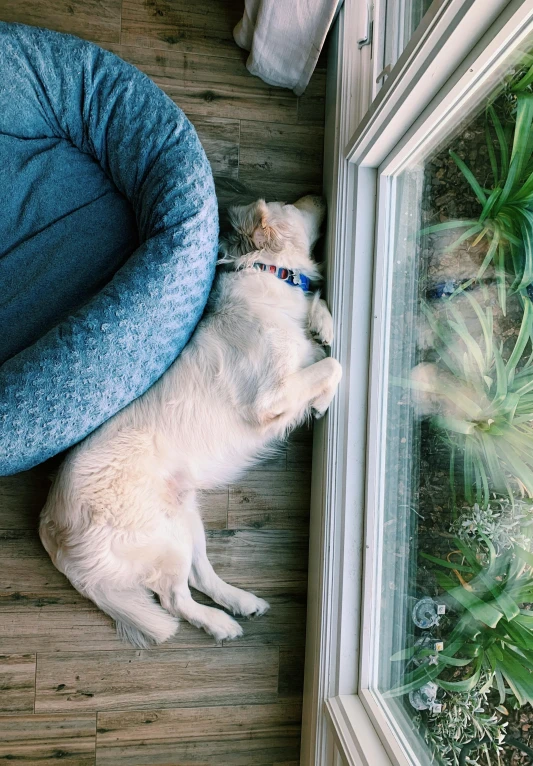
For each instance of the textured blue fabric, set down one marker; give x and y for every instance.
(108, 239)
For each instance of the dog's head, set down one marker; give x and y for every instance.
(274, 232)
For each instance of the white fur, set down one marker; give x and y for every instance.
(122, 521)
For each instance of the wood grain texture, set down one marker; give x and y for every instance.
(214, 508)
(48, 739)
(270, 500)
(48, 629)
(311, 105)
(228, 735)
(291, 672)
(284, 160)
(299, 450)
(31, 583)
(210, 86)
(21, 499)
(17, 683)
(260, 560)
(283, 625)
(220, 139)
(262, 749)
(203, 27)
(91, 19)
(67, 682)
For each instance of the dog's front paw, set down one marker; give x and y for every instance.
(321, 322)
(223, 627)
(248, 605)
(322, 402)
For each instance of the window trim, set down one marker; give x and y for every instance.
(337, 712)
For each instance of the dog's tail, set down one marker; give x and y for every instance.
(139, 618)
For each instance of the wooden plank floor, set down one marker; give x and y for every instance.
(69, 689)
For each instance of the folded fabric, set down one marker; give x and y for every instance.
(284, 38)
(108, 239)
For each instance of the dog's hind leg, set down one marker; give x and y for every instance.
(204, 578)
(176, 598)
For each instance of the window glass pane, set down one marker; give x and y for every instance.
(454, 623)
(402, 19)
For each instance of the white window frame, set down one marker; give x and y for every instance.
(450, 60)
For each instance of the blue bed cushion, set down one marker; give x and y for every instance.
(108, 239)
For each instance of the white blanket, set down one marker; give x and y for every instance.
(284, 38)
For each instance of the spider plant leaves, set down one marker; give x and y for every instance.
(446, 564)
(525, 618)
(414, 680)
(519, 678)
(487, 401)
(404, 654)
(522, 133)
(506, 217)
(465, 685)
(502, 141)
(522, 340)
(492, 154)
(447, 225)
(526, 228)
(454, 662)
(525, 556)
(480, 610)
(524, 82)
(500, 685)
(470, 177)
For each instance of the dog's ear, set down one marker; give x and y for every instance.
(264, 234)
(257, 224)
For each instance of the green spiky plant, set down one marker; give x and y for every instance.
(506, 217)
(486, 398)
(493, 635)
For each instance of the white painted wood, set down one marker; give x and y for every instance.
(331, 655)
(473, 79)
(356, 738)
(447, 34)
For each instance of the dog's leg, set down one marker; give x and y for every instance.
(176, 598)
(204, 578)
(320, 321)
(314, 387)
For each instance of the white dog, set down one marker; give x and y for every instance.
(121, 520)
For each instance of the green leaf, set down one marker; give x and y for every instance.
(523, 83)
(495, 241)
(489, 204)
(403, 654)
(504, 149)
(467, 684)
(454, 662)
(466, 235)
(478, 609)
(492, 153)
(500, 279)
(521, 341)
(524, 119)
(524, 556)
(525, 619)
(526, 228)
(415, 680)
(519, 679)
(447, 225)
(447, 564)
(500, 685)
(472, 180)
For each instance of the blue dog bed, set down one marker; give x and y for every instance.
(108, 239)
